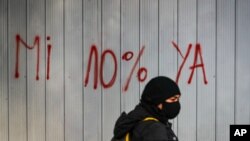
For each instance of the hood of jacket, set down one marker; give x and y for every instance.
(126, 122)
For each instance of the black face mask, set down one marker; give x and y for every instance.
(171, 110)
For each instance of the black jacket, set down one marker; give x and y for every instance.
(143, 130)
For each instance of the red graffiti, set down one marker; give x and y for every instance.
(36, 42)
(126, 56)
(48, 61)
(112, 81)
(139, 74)
(98, 65)
(184, 59)
(49, 47)
(195, 65)
(93, 51)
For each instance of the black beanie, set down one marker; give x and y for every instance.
(159, 89)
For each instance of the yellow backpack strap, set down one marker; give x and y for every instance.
(150, 118)
(145, 119)
(127, 137)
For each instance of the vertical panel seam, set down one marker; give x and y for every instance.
(83, 70)
(216, 69)
(196, 71)
(64, 101)
(120, 54)
(26, 70)
(45, 105)
(139, 43)
(101, 86)
(177, 40)
(8, 85)
(45, 99)
(158, 28)
(235, 57)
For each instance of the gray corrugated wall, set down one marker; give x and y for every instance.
(63, 109)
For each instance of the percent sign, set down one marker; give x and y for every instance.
(128, 56)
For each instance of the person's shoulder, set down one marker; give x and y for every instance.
(151, 130)
(154, 125)
(150, 126)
